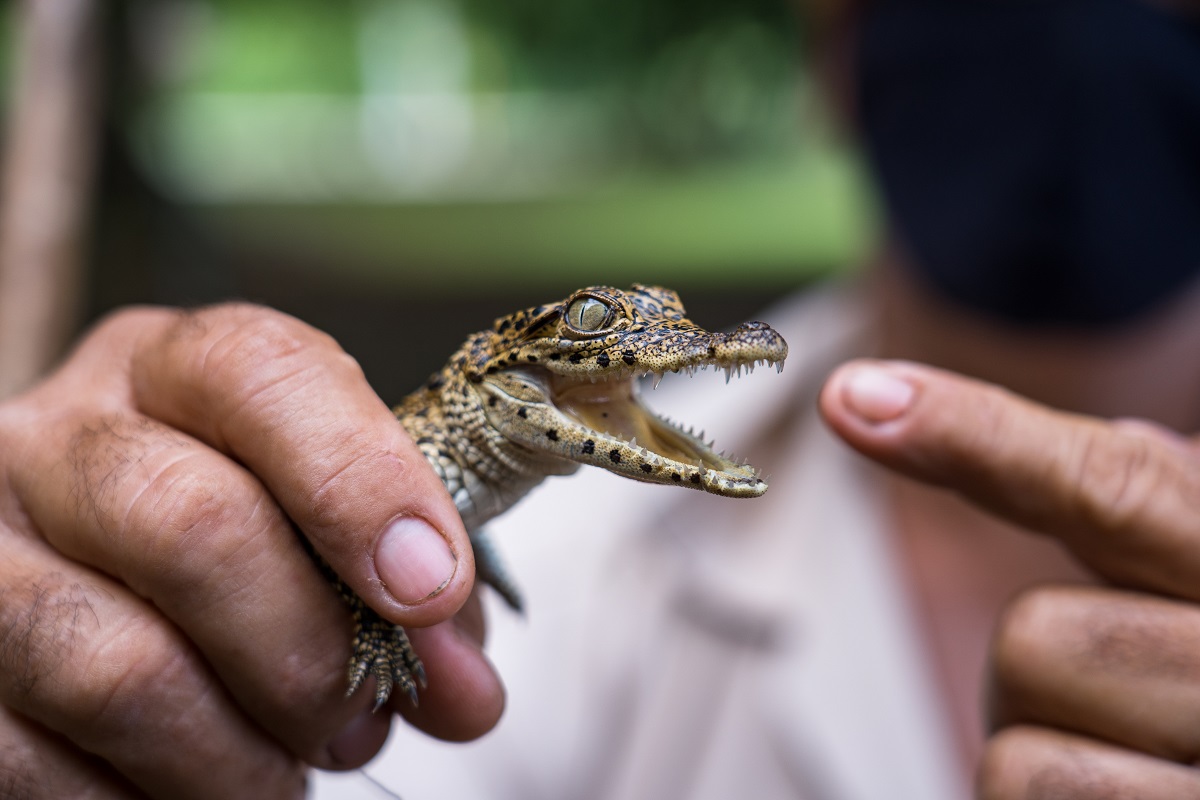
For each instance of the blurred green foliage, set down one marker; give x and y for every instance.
(709, 229)
(277, 46)
(7, 20)
(462, 137)
(569, 44)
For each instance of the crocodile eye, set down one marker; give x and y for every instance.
(588, 314)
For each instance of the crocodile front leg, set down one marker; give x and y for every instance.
(382, 649)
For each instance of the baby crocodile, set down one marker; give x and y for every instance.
(542, 392)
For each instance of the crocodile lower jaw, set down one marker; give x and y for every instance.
(612, 413)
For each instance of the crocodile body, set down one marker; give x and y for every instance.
(542, 392)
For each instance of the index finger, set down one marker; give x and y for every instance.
(286, 401)
(1124, 497)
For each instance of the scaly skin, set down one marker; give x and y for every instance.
(542, 392)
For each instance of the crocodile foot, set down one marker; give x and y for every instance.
(382, 649)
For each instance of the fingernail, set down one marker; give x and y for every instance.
(876, 394)
(414, 560)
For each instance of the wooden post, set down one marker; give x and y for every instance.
(46, 185)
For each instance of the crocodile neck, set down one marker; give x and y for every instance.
(484, 472)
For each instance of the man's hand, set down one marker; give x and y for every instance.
(1095, 691)
(162, 630)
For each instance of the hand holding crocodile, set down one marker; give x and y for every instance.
(159, 615)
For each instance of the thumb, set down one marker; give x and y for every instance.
(1124, 496)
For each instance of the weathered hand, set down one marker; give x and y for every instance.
(162, 630)
(1095, 691)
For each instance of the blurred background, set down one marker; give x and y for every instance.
(400, 172)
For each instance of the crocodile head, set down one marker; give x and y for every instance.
(562, 380)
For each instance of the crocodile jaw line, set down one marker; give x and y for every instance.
(614, 408)
(609, 413)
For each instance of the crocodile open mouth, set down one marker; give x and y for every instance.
(613, 409)
(579, 403)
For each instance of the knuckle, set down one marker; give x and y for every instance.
(23, 773)
(27, 773)
(1027, 761)
(192, 518)
(1031, 620)
(347, 366)
(256, 356)
(1116, 478)
(38, 631)
(333, 500)
(103, 451)
(136, 665)
(125, 469)
(252, 336)
(1037, 762)
(35, 763)
(190, 501)
(141, 677)
(279, 332)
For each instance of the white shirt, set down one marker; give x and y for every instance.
(681, 646)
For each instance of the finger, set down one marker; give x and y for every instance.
(471, 621)
(284, 400)
(1122, 497)
(38, 765)
(83, 657)
(196, 534)
(1113, 665)
(1029, 763)
(464, 698)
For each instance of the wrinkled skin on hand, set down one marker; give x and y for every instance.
(1095, 691)
(159, 614)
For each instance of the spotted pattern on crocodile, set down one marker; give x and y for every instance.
(542, 392)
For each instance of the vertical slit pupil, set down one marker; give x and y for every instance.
(588, 314)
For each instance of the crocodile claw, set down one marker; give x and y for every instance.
(382, 649)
